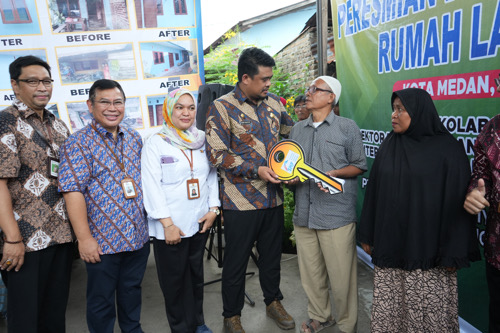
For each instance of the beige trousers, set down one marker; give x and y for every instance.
(329, 256)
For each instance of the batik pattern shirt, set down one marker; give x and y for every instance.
(240, 134)
(88, 166)
(38, 207)
(487, 166)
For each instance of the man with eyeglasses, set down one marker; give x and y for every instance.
(325, 224)
(36, 240)
(100, 178)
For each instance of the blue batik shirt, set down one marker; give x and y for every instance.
(89, 167)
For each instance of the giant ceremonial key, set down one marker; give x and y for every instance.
(286, 159)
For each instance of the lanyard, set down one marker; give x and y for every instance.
(120, 164)
(48, 141)
(190, 161)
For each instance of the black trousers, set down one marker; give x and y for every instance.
(241, 230)
(493, 279)
(180, 273)
(38, 293)
(114, 288)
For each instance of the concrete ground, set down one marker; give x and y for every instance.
(253, 319)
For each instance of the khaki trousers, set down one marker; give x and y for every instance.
(329, 256)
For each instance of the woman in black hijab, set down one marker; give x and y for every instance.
(413, 222)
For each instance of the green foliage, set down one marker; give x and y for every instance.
(288, 236)
(221, 66)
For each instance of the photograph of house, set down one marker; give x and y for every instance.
(6, 57)
(18, 17)
(88, 15)
(165, 13)
(53, 109)
(80, 116)
(78, 64)
(168, 58)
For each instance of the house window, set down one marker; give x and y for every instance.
(69, 8)
(180, 7)
(158, 58)
(86, 65)
(177, 56)
(14, 11)
(159, 7)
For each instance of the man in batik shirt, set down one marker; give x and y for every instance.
(241, 128)
(484, 191)
(100, 177)
(36, 242)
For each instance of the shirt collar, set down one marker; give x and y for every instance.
(241, 97)
(26, 111)
(104, 131)
(329, 119)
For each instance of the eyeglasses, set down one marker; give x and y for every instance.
(35, 82)
(312, 90)
(106, 104)
(300, 106)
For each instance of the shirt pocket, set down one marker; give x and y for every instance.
(335, 155)
(169, 172)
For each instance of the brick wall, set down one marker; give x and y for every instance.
(299, 58)
(119, 14)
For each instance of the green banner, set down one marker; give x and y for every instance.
(448, 47)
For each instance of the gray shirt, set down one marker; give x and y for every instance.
(334, 144)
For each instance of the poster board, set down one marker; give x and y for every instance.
(150, 46)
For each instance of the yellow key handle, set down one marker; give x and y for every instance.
(286, 159)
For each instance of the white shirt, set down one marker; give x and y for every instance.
(165, 171)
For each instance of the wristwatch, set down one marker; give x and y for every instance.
(214, 210)
(255, 172)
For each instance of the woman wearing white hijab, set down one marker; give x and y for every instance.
(181, 198)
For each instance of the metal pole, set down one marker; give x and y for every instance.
(322, 29)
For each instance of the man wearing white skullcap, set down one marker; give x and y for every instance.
(325, 224)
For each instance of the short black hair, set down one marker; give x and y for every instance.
(16, 67)
(299, 99)
(104, 84)
(250, 60)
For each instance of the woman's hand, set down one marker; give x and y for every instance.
(207, 220)
(367, 248)
(172, 232)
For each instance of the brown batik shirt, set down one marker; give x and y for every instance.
(26, 145)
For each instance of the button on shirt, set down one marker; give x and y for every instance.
(334, 144)
(165, 171)
(89, 167)
(240, 135)
(38, 208)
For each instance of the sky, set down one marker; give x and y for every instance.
(218, 16)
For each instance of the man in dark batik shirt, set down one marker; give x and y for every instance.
(484, 191)
(36, 242)
(241, 129)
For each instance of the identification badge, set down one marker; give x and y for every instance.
(193, 188)
(128, 187)
(53, 166)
